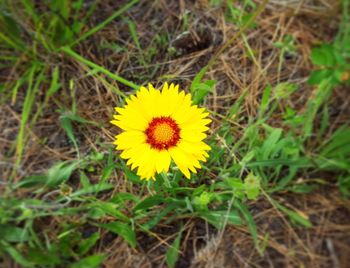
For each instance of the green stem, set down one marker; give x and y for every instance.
(98, 68)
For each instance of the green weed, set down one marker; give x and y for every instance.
(251, 157)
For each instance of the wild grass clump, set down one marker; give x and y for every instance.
(278, 171)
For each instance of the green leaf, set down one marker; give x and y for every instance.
(323, 55)
(301, 162)
(9, 23)
(218, 218)
(131, 175)
(237, 104)
(338, 143)
(78, 119)
(34, 83)
(13, 234)
(86, 244)
(344, 185)
(107, 171)
(149, 202)
(155, 220)
(201, 90)
(66, 124)
(103, 24)
(31, 181)
(234, 183)
(100, 69)
(122, 229)
(301, 188)
(270, 143)
(294, 216)
(172, 253)
(265, 99)
(320, 96)
(110, 209)
(203, 199)
(55, 85)
(84, 180)
(93, 261)
(93, 189)
(317, 76)
(197, 79)
(18, 257)
(135, 38)
(10, 31)
(251, 223)
(44, 258)
(120, 198)
(252, 186)
(60, 173)
(284, 90)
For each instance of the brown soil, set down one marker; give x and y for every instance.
(326, 244)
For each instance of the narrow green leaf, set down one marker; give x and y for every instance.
(79, 119)
(86, 244)
(60, 173)
(172, 253)
(110, 209)
(265, 99)
(93, 189)
(84, 180)
(238, 104)
(17, 256)
(301, 162)
(27, 109)
(322, 94)
(66, 124)
(55, 85)
(122, 229)
(31, 181)
(120, 198)
(93, 261)
(135, 38)
(13, 233)
(105, 22)
(270, 143)
(251, 223)
(201, 90)
(218, 218)
(149, 202)
(294, 216)
(98, 68)
(159, 216)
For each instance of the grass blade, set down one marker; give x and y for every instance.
(27, 108)
(172, 253)
(122, 229)
(98, 68)
(105, 22)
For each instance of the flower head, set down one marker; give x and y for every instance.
(159, 126)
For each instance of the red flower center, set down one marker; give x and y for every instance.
(162, 133)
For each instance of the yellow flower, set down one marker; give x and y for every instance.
(159, 126)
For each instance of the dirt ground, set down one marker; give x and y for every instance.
(310, 22)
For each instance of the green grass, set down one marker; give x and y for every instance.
(251, 157)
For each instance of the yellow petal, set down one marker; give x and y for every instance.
(193, 148)
(189, 135)
(130, 153)
(129, 139)
(163, 160)
(180, 160)
(147, 169)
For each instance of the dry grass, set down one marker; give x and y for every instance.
(326, 244)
